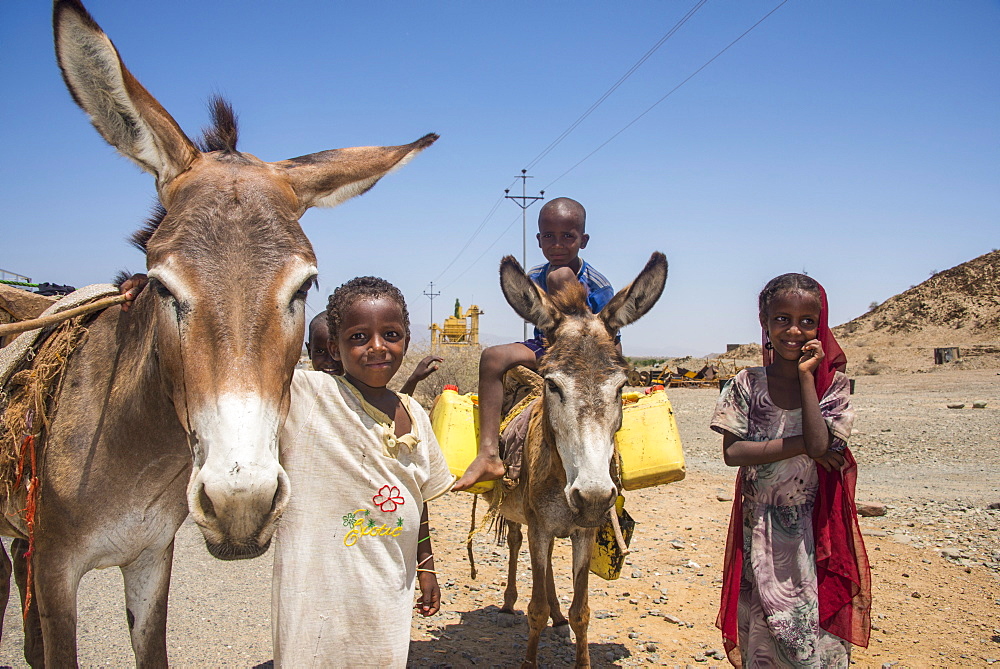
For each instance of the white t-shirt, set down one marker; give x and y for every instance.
(346, 549)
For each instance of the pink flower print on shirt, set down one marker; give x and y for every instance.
(388, 499)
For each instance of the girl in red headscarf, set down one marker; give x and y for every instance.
(796, 584)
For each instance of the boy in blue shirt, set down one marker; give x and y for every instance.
(561, 235)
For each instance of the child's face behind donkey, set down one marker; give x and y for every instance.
(372, 341)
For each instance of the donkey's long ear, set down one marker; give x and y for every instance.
(327, 178)
(632, 302)
(528, 300)
(124, 112)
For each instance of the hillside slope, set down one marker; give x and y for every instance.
(956, 307)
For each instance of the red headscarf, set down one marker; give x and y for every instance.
(842, 571)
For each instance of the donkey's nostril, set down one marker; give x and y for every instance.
(576, 499)
(205, 502)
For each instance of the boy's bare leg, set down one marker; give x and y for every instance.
(493, 363)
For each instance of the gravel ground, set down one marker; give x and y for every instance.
(935, 557)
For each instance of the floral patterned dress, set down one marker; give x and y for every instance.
(778, 612)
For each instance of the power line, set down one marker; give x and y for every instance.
(432, 295)
(485, 251)
(524, 201)
(551, 146)
(607, 93)
(475, 233)
(669, 93)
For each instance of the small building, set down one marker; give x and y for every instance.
(946, 354)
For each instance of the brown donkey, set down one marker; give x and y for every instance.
(175, 407)
(566, 487)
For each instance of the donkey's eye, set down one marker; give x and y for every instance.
(162, 291)
(303, 290)
(553, 387)
(181, 309)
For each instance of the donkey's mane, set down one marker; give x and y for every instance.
(140, 237)
(221, 136)
(571, 299)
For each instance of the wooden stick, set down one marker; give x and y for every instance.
(618, 532)
(42, 321)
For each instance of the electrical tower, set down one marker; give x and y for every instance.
(524, 201)
(432, 295)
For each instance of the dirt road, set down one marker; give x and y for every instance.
(935, 557)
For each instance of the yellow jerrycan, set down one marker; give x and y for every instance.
(455, 420)
(607, 559)
(648, 441)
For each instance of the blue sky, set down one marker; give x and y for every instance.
(858, 141)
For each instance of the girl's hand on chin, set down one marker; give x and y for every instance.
(812, 354)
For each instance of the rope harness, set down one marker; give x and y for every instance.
(26, 401)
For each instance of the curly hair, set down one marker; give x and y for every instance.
(370, 287)
(786, 283)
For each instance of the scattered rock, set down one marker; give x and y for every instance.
(672, 619)
(650, 647)
(916, 595)
(677, 543)
(956, 406)
(724, 496)
(994, 505)
(979, 405)
(871, 509)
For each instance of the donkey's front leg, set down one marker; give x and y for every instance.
(6, 569)
(147, 582)
(579, 610)
(540, 547)
(34, 649)
(55, 580)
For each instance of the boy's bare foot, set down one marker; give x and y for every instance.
(482, 468)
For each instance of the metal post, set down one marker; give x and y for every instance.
(524, 201)
(432, 295)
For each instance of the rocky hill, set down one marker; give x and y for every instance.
(958, 307)
(965, 296)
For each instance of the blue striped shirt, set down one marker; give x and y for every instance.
(599, 290)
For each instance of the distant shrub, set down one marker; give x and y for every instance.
(871, 366)
(460, 368)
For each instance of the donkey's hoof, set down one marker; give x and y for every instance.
(508, 618)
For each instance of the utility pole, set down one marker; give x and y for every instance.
(432, 295)
(524, 201)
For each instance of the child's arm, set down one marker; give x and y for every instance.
(424, 368)
(430, 594)
(815, 432)
(738, 452)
